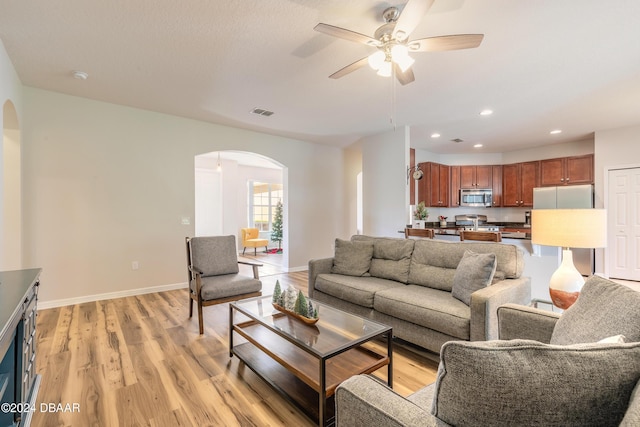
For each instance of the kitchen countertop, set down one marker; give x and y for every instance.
(509, 230)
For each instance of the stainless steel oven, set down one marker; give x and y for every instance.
(476, 197)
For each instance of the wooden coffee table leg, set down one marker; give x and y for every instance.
(322, 403)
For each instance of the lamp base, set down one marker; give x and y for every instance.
(566, 282)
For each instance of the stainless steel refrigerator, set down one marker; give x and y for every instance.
(569, 197)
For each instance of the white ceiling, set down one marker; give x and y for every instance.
(543, 64)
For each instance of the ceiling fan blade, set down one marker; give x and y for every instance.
(440, 43)
(349, 68)
(410, 17)
(404, 78)
(343, 33)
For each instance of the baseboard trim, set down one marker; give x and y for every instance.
(296, 269)
(110, 295)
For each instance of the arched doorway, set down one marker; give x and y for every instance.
(235, 189)
(10, 191)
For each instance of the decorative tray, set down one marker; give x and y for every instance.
(306, 320)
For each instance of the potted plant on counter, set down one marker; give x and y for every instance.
(420, 216)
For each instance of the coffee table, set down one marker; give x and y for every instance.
(306, 363)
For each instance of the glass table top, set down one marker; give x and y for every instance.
(335, 330)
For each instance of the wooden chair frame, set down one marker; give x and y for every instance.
(484, 236)
(419, 232)
(196, 294)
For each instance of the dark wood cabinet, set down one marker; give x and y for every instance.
(566, 171)
(454, 201)
(475, 176)
(518, 182)
(496, 186)
(434, 186)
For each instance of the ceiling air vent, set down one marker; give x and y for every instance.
(262, 112)
(456, 140)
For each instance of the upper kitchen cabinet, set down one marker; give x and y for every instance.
(434, 186)
(472, 177)
(566, 171)
(518, 182)
(496, 186)
(454, 201)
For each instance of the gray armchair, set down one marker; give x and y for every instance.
(547, 369)
(214, 276)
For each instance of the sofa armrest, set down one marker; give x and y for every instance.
(362, 401)
(318, 266)
(485, 303)
(524, 322)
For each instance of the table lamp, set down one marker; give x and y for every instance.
(568, 228)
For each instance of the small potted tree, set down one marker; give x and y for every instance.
(420, 216)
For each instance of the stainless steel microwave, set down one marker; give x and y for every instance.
(476, 197)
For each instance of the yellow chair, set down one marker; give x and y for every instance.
(250, 240)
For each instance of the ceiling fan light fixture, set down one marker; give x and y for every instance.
(400, 55)
(385, 69)
(376, 59)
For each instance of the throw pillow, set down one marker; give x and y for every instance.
(518, 382)
(616, 339)
(391, 259)
(475, 271)
(603, 309)
(352, 258)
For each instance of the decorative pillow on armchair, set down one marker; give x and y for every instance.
(603, 309)
(352, 258)
(475, 271)
(523, 382)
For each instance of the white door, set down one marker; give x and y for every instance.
(624, 224)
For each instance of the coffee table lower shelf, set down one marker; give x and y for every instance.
(282, 375)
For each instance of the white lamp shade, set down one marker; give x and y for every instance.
(569, 228)
(376, 60)
(385, 69)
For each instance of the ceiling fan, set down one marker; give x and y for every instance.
(394, 46)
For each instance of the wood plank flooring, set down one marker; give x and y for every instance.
(139, 361)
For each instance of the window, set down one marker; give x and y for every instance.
(263, 198)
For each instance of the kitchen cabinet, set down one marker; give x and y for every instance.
(454, 201)
(496, 186)
(434, 186)
(573, 170)
(518, 182)
(475, 176)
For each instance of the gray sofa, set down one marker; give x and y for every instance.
(430, 291)
(581, 368)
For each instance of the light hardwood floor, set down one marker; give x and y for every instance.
(139, 361)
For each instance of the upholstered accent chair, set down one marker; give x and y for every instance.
(250, 240)
(214, 273)
(578, 368)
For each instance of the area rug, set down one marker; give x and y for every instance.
(274, 251)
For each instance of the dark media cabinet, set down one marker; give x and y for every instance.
(19, 382)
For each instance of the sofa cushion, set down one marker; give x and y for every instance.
(391, 259)
(516, 382)
(603, 309)
(357, 290)
(632, 416)
(433, 262)
(431, 308)
(475, 271)
(352, 258)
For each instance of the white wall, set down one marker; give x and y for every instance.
(385, 158)
(10, 165)
(614, 149)
(105, 185)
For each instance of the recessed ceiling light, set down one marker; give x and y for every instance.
(435, 135)
(486, 112)
(555, 132)
(80, 75)
(477, 145)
